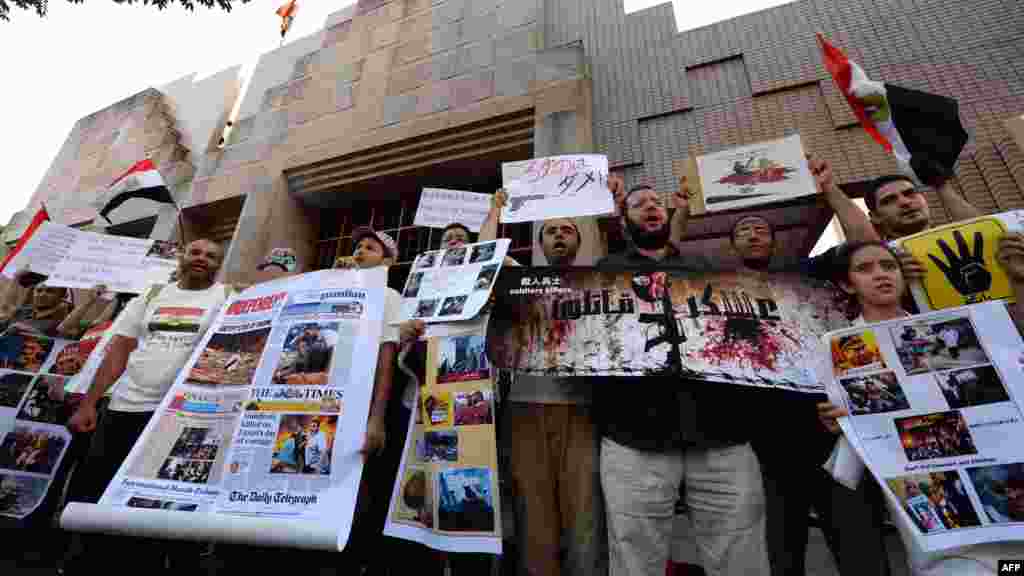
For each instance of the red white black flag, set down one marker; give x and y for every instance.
(142, 180)
(921, 130)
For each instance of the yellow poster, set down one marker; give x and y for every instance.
(960, 260)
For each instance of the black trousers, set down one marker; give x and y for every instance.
(116, 433)
(850, 520)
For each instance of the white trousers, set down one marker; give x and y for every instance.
(725, 496)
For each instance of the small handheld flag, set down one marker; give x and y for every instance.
(41, 216)
(921, 130)
(287, 13)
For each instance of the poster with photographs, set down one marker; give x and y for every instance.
(261, 431)
(35, 404)
(960, 261)
(452, 284)
(935, 414)
(726, 327)
(753, 175)
(446, 493)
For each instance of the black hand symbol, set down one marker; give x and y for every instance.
(966, 271)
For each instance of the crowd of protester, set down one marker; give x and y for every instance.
(595, 474)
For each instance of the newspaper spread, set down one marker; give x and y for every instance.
(935, 413)
(264, 422)
(452, 284)
(33, 411)
(960, 261)
(556, 187)
(446, 494)
(725, 327)
(79, 259)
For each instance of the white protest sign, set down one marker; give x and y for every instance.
(440, 207)
(452, 284)
(556, 187)
(78, 259)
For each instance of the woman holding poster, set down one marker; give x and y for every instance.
(870, 273)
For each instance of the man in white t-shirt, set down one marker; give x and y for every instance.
(152, 341)
(318, 456)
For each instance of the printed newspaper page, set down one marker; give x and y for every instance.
(266, 420)
(33, 411)
(446, 494)
(960, 261)
(452, 284)
(935, 413)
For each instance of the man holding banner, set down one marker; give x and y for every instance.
(153, 341)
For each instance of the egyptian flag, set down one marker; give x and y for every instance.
(41, 216)
(140, 181)
(922, 130)
(287, 13)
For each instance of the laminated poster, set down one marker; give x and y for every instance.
(260, 433)
(960, 261)
(935, 414)
(726, 328)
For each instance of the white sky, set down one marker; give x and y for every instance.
(83, 58)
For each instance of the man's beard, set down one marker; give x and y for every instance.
(648, 240)
(757, 263)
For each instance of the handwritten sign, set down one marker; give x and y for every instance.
(440, 207)
(77, 259)
(754, 175)
(556, 187)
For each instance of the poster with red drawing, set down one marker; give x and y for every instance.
(728, 327)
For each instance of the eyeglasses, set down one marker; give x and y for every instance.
(635, 202)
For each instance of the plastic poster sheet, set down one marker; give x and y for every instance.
(33, 410)
(960, 261)
(452, 284)
(78, 259)
(935, 413)
(556, 187)
(717, 327)
(753, 175)
(446, 493)
(439, 207)
(260, 433)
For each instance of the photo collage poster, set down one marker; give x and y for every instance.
(960, 261)
(34, 408)
(452, 284)
(935, 414)
(446, 494)
(268, 416)
(725, 327)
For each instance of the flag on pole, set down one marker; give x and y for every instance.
(287, 13)
(41, 216)
(921, 130)
(142, 180)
